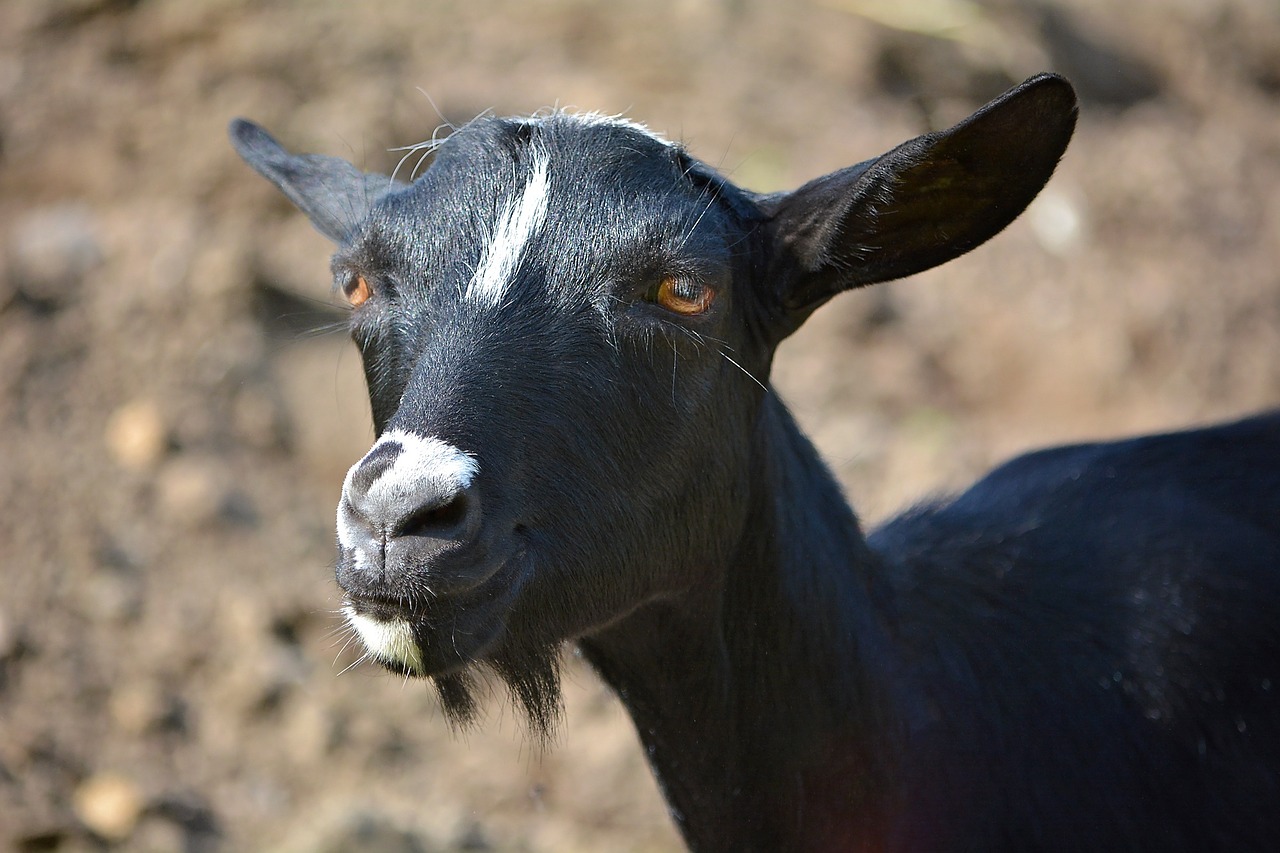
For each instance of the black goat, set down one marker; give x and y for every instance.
(566, 323)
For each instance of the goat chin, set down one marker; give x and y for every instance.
(390, 642)
(530, 674)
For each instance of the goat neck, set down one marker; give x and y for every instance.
(761, 699)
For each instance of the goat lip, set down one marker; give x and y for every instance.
(449, 629)
(406, 584)
(382, 608)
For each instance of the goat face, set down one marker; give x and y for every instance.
(555, 327)
(566, 324)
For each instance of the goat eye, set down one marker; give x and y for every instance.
(357, 291)
(683, 296)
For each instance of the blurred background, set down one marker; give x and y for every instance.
(178, 401)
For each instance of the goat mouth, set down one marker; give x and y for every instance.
(426, 635)
(380, 609)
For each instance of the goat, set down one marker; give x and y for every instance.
(567, 324)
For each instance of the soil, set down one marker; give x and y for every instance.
(178, 401)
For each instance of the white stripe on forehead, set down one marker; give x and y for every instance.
(519, 221)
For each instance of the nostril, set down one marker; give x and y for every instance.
(407, 487)
(435, 520)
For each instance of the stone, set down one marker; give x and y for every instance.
(137, 435)
(51, 250)
(109, 804)
(191, 490)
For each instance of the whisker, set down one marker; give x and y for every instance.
(364, 657)
(338, 633)
(346, 645)
(675, 359)
(426, 147)
(444, 121)
(745, 372)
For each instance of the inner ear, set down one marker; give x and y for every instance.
(925, 202)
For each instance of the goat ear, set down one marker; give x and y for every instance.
(334, 194)
(925, 202)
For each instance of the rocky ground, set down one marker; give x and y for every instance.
(178, 402)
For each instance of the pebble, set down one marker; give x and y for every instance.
(137, 708)
(157, 835)
(109, 804)
(136, 435)
(1057, 221)
(191, 490)
(111, 597)
(51, 250)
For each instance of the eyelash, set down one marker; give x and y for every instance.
(683, 296)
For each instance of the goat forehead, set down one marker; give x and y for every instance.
(564, 195)
(489, 163)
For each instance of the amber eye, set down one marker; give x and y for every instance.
(682, 296)
(357, 291)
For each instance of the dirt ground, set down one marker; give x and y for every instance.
(178, 402)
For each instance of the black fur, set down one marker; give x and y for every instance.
(1081, 652)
